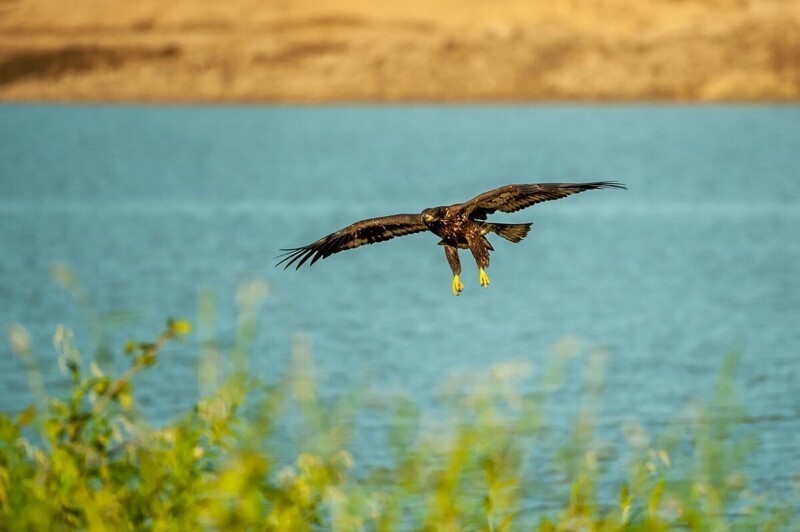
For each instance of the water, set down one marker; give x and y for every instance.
(153, 205)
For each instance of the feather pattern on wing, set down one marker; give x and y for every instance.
(354, 235)
(512, 198)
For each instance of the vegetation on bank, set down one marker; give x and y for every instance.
(251, 455)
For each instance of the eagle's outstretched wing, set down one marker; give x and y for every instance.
(354, 235)
(512, 198)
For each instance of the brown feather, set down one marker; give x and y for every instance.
(354, 235)
(512, 198)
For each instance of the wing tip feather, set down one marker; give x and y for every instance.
(608, 184)
(291, 255)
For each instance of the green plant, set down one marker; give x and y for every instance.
(91, 461)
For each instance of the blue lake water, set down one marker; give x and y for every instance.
(152, 206)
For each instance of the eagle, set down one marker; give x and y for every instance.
(460, 226)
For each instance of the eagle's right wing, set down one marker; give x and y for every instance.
(512, 198)
(354, 235)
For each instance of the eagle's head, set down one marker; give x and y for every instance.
(431, 216)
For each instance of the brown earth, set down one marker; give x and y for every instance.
(413, 51)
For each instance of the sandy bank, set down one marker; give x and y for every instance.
(448, 51)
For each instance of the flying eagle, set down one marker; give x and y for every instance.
(460, 226)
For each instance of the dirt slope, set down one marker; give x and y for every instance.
(381, 51)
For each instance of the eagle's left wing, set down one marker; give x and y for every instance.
(354, 235)
(512, 198)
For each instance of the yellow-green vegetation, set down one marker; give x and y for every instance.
(254, 456)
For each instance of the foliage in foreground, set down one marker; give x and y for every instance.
(252, 456)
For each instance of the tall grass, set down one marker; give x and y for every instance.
(254, 456)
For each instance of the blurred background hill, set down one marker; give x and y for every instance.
(412, 51)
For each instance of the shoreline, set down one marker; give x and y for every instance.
(339, 52)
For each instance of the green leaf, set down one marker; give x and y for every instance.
(27, 416)
(179, 327)
(125, 399)
(100, 386)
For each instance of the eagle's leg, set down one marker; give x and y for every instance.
(480, 250)
(455, 264)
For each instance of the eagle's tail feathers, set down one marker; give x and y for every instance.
(511, 232)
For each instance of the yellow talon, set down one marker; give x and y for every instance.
(457, 286)
(483, 279)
